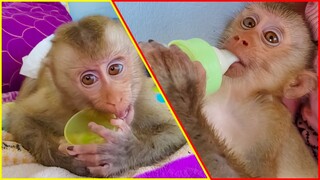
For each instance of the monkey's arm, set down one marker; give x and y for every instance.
(40, 140)
(38, 126)
(184, 84)
(28, 87)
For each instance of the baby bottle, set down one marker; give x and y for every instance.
(215, 61)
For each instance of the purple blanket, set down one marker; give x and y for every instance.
(187, 167)
(24, 25)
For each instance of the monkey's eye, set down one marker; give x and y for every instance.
(248, 23)
(88, 79)
(115, 69)
(271, 37)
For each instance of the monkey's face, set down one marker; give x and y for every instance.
(110, 84)
(105, 84)
(94, 63)
(269, 43)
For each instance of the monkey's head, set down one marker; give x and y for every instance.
(273, 45)
(94, 63)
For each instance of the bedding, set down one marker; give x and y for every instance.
(24, 25)
(17, 162)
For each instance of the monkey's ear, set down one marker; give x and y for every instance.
(301, 85)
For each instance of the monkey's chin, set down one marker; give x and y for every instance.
(237, 69)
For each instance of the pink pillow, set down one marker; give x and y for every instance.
(24, 25)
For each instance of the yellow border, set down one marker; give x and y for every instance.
(158, 86)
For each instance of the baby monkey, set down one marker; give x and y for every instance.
(244, 129)
(93, 64)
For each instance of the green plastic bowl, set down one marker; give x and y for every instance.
(77, 131)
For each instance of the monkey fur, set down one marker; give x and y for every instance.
(244, 130)
(44, 105)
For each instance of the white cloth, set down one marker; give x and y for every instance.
(32, 62)
(35, 170)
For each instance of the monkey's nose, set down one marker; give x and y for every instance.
(240, 40)
(245, 43)
(114, 101)
(113, 104)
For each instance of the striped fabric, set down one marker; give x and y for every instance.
(307, 119)
(9, 96)
(312, 17)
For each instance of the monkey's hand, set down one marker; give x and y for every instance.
(105, 160)
(182, 80)
(69, 162)
(183, 83)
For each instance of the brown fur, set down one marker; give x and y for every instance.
(245, 122)
(46, 104)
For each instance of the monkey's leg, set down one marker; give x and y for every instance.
(125, 150)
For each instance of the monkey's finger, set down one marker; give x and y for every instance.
(63, 148)
(121, 124)
(144, 45)
(157, 54)
(100, 171)
(200, 69)
(202, 75)
(181, 59)
(90, 159)
(82, 149)
(182, 56)
(147, 47)
(161, 48)
(102, 131)
(151, 49)
(156, 44)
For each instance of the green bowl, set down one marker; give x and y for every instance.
(77, 131)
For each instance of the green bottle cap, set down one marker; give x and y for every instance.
(199, 50)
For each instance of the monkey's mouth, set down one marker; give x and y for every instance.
(239, 63)
(126, 115)
(236, 69)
